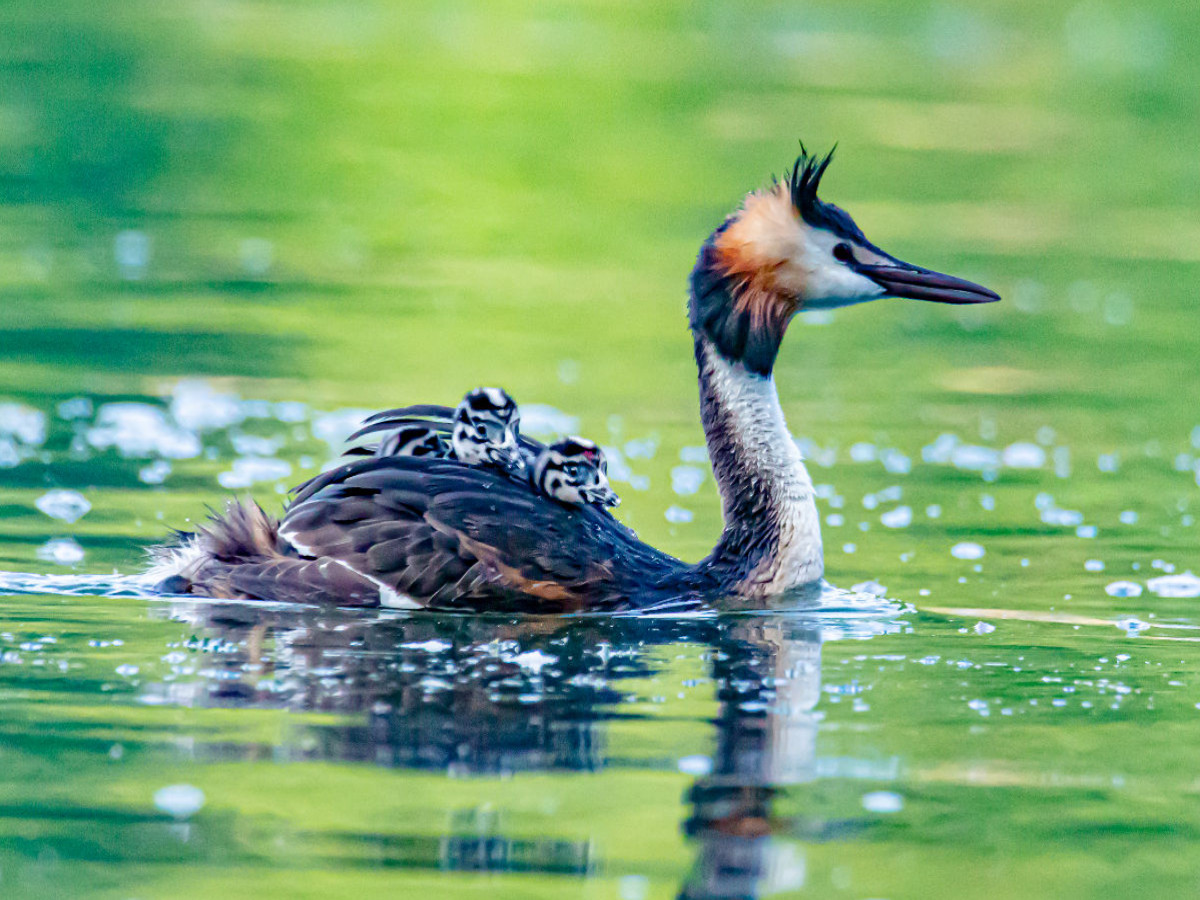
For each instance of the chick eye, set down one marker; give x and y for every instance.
(842, 253)
(481, 430)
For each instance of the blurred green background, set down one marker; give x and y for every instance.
(356, 205)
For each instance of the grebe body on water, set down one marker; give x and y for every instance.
(419, 531)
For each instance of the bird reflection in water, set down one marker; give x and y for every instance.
(470, 695)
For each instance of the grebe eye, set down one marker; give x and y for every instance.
(843, 254)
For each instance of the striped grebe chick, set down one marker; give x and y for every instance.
(483, 430)
(422, 532)
(574, 471)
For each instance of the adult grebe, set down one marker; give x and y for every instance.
(416, 532)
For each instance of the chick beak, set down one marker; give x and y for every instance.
(601, 494)
(913, 282)
(507, 456)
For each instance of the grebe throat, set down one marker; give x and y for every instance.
(772, 536)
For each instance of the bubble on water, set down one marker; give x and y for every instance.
(698, 765)
(941, 450)
(874, 588)
(1052, 515)
(1086, 531)
(849, 548)
(26, 424)
(534, 660)
(686, 480)
(987, 501)
(1108, 462)
(254, 444)
(131, 252)
(984, 628)
(1062, 462)
(1123, 589)
(641, 448)
(155, 473)
(1023, 455)
(1094, 565)
(678, 514)
(197, 406)
(835, 520)
(334, 427)
(933, 511)
(1183, 585)
(870, 501)
(967, 550)
(633, 887)
(256, 256)
(127, 670)
(900, 517)
(863, 452)
(1129, 517)
(61, 551)
(431, 646)
(248, 470)
(542, 419)
(882, 802)
(75, 408)
(895, 462)
(179, 800)
(1132, 625)
(974, 458)
(290, 411)
(693, 454)
(66, 505)
(139, 430)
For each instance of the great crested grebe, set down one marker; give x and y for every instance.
(421, 532)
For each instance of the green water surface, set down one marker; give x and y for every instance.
(351, 205)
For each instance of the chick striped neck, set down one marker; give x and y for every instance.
(771, 541)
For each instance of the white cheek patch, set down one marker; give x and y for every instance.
(829, 283)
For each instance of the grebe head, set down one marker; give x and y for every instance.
(786, 250)
(413, 440)
(574, 471)
(486, 429)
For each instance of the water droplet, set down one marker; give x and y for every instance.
(1184, 585)
(686, 480)
(69, 506)
(61, 551)
(1023, 455)
(179, 800)
(678, 514)
(697, 765)
(967, 550)
(900, 517)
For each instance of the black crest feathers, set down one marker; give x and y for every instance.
(803, 182)
(805, 179)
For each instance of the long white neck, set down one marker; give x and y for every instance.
(772, 536)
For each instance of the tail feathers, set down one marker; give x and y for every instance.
(242, 533)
